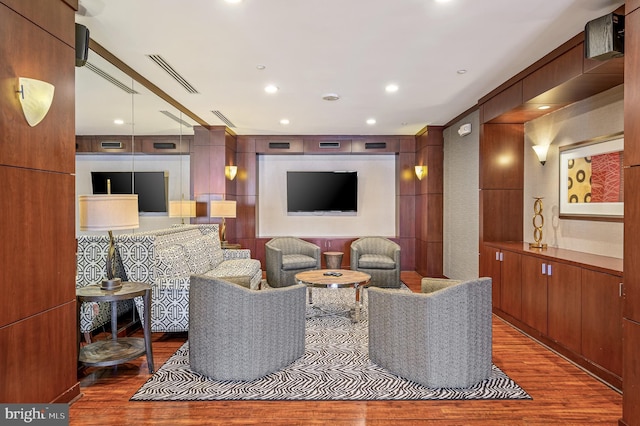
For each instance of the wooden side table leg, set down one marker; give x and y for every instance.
(114, 320)
(146, 302)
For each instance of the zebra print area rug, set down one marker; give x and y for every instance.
(335, 366)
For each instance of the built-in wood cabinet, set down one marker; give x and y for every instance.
(535, 292)
(568, 300)
(564, 311)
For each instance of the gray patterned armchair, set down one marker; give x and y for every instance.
(440, 338)
(236, 333)
(286, 256)
(378, 257)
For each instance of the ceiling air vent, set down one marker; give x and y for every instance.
(224, 119)
(176, 118)
(111, 79)
(159, 60)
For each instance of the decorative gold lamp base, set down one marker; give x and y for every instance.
(112, 284)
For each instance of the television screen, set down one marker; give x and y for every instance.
(315, 192)
(150, 187)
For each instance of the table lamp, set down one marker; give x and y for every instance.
(182, 209)
(223, 209)
(109, 212)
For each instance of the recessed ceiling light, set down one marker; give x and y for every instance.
(391, 88)
(331, 97)
(544, 107)
(271, 88)
(260, 67)
(461, 71)
(118, 121)
(371, 121)
(284, 121)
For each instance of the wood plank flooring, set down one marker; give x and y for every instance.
(562, 395)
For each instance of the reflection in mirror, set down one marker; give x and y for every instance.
(153, 136)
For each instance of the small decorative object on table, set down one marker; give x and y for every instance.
(538, 223)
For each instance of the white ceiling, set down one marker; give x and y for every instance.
(309, 48)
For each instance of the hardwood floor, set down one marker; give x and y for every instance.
(562, 394)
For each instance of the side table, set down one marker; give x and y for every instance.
(116, 350)
(333, 259)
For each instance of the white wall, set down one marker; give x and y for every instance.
(376, 196)
(173, 164)
(461, 200)
(597, 116)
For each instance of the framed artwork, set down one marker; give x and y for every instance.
(591, 179)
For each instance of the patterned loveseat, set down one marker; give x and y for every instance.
(165, 259)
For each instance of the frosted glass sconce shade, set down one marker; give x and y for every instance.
(35, 98)
(421, 172)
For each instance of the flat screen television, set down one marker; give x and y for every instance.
(151, 188)
(322, 192)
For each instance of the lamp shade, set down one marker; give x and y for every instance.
(182, 208)
(223, 208)
(541, 152)
(108, 212)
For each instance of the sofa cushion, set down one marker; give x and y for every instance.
(236, 268)
(297, 261)
(211, 243)
(171, 262)
(197, 254)
(376, 261)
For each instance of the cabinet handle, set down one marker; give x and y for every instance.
(544, 269)
(501, 256)
(498, 256)
(621, 289)
(549, 270)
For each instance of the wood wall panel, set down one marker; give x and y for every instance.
(50, 62)
(502, 156)
(40, 228)
(631, 373)
(555, 73)
(505, 101)
(41, 363)
(54, 20)
(408, 181)
(631, 91)
(406, 216)
(632, 241)
(501, 215)
(38, 326)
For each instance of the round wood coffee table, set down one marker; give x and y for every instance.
(335, 278)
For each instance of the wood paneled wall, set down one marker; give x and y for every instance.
(37, 220)
(211, 151)
(631, 322)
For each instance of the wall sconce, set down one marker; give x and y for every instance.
(230, 172)
(541, 152)
(35, 98)
(421, 172)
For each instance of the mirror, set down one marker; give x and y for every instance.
(148, 125)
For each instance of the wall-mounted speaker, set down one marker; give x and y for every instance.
(604, 37)
(82, 45)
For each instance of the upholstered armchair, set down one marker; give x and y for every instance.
(236, 333)
(378, 257)
(440, 338)
(286, 256)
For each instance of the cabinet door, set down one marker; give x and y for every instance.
(564, 305)
(490, 267)
(511, 290)
(534, 293)
(602, 320)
